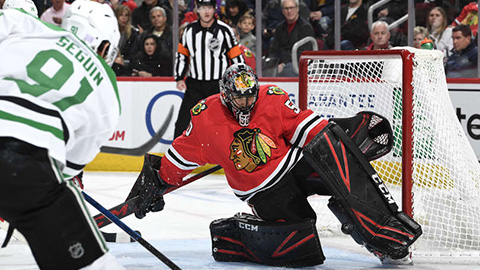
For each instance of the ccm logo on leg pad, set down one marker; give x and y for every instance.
(383, 188)
(248, 227)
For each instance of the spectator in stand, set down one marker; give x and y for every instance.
(392, 11)
(469, 16)
(189, 17)
(292, 29)
(380, 36)
(234, 10)
(127, 45)
(321, 16)
(141, 15)
(115, 3)
(163, 32)
(462, 63)
(246, 52)
(246, 24)
(146, 63)
(130, 4)
(439, 31)
(272, 16)
(419, 34)
(251, 4)
(182, 8)
(55, 13)
(354, 27)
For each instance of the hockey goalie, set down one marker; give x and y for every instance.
(269, 150)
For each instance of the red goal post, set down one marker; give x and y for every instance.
(406, 57)
(432, 170)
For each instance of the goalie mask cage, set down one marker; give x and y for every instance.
(432, 170)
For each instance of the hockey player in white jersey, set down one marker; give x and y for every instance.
(59, 103)
(26, 5)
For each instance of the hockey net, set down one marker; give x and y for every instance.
(432, 170)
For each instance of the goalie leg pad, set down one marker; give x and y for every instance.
(361, 201)
(247, 238)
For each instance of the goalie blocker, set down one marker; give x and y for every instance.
(360, 200)
(245, 237)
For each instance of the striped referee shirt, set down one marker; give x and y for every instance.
(205, 52)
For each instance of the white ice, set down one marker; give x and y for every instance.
(181, 231)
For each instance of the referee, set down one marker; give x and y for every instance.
(207, 48)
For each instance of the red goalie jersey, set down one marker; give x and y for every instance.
(254, 158)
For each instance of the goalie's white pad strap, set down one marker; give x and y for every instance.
(105, 262)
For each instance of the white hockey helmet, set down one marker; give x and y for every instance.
(26, 5)
(94, 23)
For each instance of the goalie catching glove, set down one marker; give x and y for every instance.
(370, 131)
(149, 187)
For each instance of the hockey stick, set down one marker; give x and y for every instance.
(131, 232)
(4, 225)
(126, 208)
(118, 237)
(144, 148)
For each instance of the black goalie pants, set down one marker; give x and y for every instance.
(287, 200)
(50, 213)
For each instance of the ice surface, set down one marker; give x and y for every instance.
(181, 230)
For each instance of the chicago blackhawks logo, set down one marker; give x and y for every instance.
(201, 106)
(244, 82)
(250, 148)
(274, 90)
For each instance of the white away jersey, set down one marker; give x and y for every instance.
(55, 92)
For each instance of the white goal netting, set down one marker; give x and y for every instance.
(444, 169)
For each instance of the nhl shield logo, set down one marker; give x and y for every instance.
(214, 44)
(76, 250)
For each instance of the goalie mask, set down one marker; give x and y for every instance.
(95, 24)
(239, 91)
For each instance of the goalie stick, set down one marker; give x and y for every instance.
(131, 232)
(144, 148)
(126, 208)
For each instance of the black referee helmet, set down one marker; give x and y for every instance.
(212, 3)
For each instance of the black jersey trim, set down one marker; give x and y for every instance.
(177, 159)
(293, 156)
(302, 132)
(77, 167)
(34, 107)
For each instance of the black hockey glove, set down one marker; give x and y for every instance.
(150, 188)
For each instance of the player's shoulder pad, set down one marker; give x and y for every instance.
(273, 90)
(199, 107)
(204, 104)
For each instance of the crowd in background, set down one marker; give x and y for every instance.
(146, 45)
